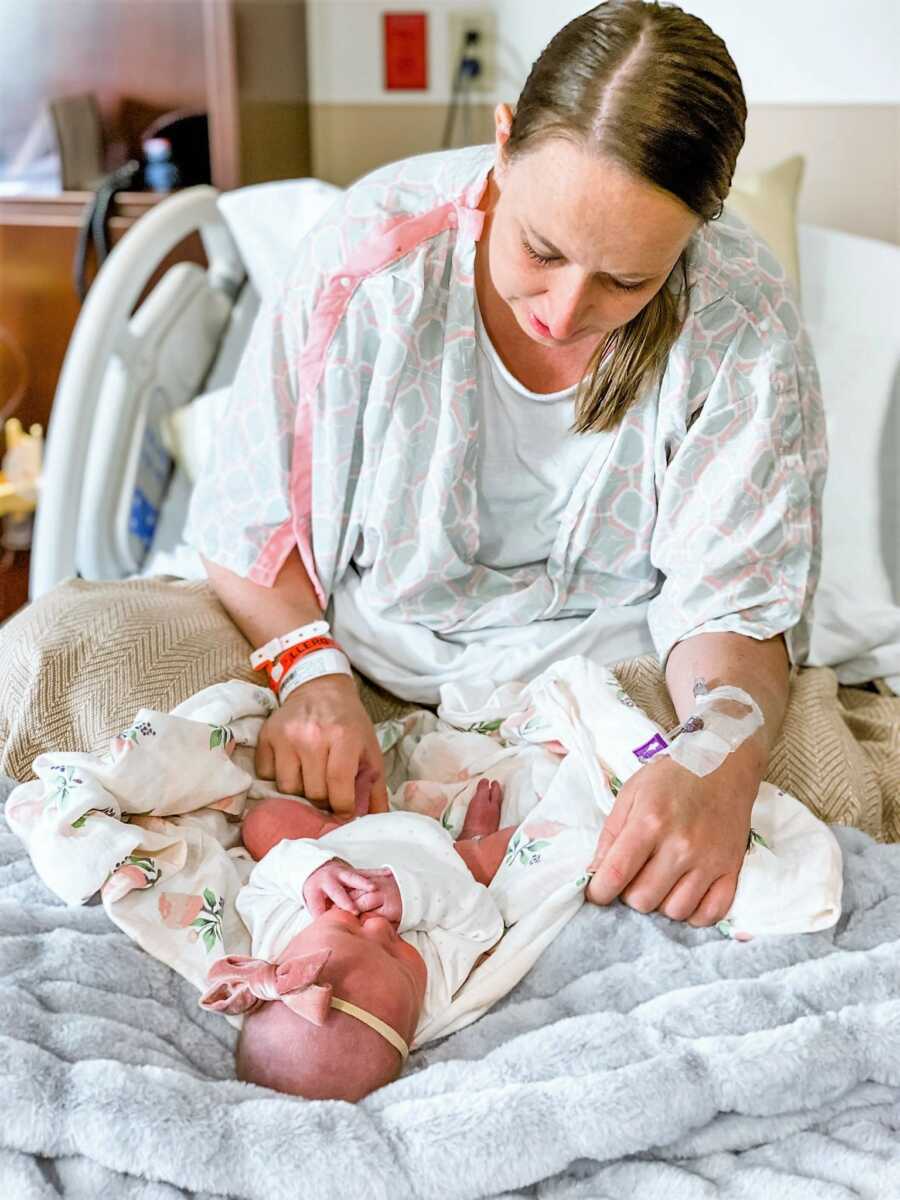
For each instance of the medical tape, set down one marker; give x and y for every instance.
(331, 661)
(703, 742)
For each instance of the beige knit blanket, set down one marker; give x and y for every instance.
(77, 664)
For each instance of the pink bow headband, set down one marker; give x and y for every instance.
(239, 984)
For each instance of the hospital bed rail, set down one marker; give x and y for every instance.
(106, 469)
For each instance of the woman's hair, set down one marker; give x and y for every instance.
(654, 89)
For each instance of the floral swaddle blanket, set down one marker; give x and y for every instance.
(154, 824)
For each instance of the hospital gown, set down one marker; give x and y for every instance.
(352, 434)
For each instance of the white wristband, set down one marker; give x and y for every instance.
(323, 662)
(270, 651)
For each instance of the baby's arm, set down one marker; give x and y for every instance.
(280, 817)
(271, 902)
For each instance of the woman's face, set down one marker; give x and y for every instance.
(577, 244)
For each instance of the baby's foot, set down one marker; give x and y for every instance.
(483, 815)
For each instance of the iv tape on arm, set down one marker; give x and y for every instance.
(714, 729)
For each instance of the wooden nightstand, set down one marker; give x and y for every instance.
(38, 304)
(14, 584)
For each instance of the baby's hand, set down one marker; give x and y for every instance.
(382, 897)
(335, 883)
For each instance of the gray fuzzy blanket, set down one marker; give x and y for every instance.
(639, 1058)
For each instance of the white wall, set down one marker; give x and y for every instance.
(787, 51)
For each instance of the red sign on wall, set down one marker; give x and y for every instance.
(405, 51)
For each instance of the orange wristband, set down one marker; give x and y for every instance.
(277, 669)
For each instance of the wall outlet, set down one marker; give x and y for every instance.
(484, 50)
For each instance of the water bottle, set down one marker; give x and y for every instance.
(160, 173)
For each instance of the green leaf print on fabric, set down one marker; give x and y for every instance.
(65, 782)
(447, 820)
(389, 733)
(524, 850)
(582, 881)
(66, 785)
(756, 839)
(220, 736)
(208, 922)
(486, 727)
(146, 865)
(93, 812)
(135, 732)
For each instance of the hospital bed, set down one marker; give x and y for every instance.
(499, 1105)
(111, 491)
(115, 488)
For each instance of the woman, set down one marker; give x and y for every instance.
(530, 401)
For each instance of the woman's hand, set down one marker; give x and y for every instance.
(675, 842)
(317, 744)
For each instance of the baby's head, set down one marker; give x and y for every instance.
(360, 960)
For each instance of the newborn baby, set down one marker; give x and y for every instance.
(360, 929)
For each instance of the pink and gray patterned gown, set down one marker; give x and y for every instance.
(352, 433)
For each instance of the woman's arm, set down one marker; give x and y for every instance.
(262, 613)
(759, 668)
(675, 842)
(320, 743)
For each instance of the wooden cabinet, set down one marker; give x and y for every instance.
(38, 302)
(243, 61)
(39, 308)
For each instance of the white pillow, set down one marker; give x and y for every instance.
(186, 431)
(267, 220)
(850, 289)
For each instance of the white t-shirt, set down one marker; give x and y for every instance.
(528, 461)
(450, 918)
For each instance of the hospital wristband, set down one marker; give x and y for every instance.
(268, 654)
(323, 662)
(277, 671)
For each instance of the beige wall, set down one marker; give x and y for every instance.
(852, 179)
(273, 88)
(350, 139)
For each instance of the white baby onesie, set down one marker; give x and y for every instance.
(447, 916)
